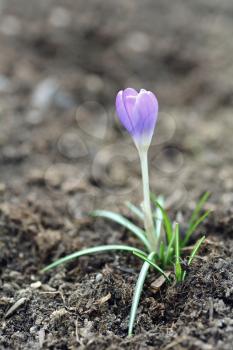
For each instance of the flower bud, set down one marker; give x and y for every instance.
(138, 113)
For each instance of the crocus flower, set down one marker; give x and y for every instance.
(138, 113)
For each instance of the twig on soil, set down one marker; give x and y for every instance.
(14, 307)
(158, 282)
(103, 299)
(56, 292)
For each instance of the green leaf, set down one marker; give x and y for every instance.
(161, 252)
(170, 250)
(194, 253)
(93, 250)
(167, 222)
(195, 249)
(135, 210)
(198, 208)
(137, 293)
(153, 197)
(193, 227)
(158, 216)
(155, 266)
(178, 268)
(124, 222)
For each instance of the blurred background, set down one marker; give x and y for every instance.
(61, 65)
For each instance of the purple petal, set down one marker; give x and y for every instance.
(145, 112)
(138, 113)
(129, 98)
(125, 102)
(122, 113)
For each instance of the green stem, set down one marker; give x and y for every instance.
(148, 218)
(137, 292)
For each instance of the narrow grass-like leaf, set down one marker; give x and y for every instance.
(194, 253)
(195, 249)
(159, 217)
(155, 266)
(166, 222)
(153, 197)
(170, 250)
(193, 227)
(162, 252)
(135, 210)
(178, 268)
(137, 293)
(198, 208)
(124, 222)
(93, 250)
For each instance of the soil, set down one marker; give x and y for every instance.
(63, 154)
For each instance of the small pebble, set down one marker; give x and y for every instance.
(44, 93)
(94, 83)
(98, 277)
(35, 285)
(10, 25)
(138, 42)
(60, 17)
(33, 330)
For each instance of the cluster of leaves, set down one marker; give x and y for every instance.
(170, 250)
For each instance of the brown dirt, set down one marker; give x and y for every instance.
(62, 154)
